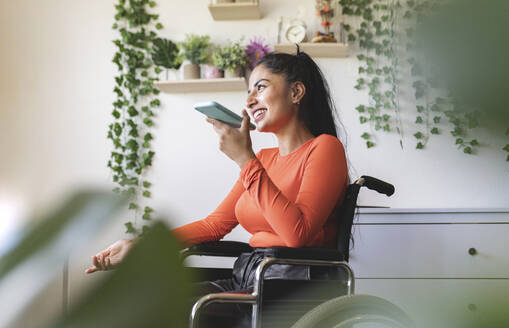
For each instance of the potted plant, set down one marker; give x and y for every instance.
(255, 51)
(195, 50)
(165, 53)
(209, 70)
(232, 59)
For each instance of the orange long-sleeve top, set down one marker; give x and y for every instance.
(282, 200)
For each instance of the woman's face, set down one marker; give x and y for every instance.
(268, 101)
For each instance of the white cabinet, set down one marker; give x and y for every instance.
(445, 268)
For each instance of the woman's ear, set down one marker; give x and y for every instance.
(298, 90)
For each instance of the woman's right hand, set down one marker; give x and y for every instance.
(111, 256)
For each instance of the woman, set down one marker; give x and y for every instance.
(285, 196)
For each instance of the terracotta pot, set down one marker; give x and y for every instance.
(212, 72)
(191, 71)
(238, 72)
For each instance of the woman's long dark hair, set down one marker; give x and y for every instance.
(316, 110)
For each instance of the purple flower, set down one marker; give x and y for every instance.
(255, 50)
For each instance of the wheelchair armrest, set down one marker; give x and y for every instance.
(223, 248)
(303, 253)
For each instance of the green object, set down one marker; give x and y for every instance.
(195, 48)
(138, 52)
(230, 57)
(150, 288)
(43, 246)
(424, 45)
(165, 53)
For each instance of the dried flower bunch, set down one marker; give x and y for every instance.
(326, 13)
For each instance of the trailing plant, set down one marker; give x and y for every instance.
(133, 110)
(376, 35)
(195, 48)
(165, 53)
(379, 26)
(231, 57)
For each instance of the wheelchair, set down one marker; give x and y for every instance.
(309, 303)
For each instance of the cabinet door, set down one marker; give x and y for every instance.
(431, 251)
(445, 303)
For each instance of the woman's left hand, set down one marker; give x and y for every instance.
(235, 143)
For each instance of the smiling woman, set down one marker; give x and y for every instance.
(285, 196)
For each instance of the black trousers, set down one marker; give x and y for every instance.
(242, 281)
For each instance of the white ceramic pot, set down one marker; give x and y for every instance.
(191, 71)
(238, 72)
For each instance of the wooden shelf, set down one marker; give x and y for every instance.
(336, 50)
(203, 85)
(235, 11)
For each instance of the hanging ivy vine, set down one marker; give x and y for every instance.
(379, 27)
(133, 109)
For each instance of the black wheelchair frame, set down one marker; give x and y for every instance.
(310, 256)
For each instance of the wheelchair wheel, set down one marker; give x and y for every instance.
(355, 311)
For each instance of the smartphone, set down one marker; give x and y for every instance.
(217, 111)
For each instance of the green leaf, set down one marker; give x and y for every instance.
(506, 148)
(419, 120)
(360, 108)
(116, 114)
(387, 128)
(152, 4)
(130, 228)
(419, 145)
(147, 209)
(436, 119)
(418, 135)
(148, 122)
(386, 117)
(369, 144)
(146, 216)
(420, 109)
(363, 119)
(133, 206)
(434, 131)
(146, 184)
(459, 141)
(474, 142)
(132, 111)
(159, 26)
(365, 135)
(155, 103)
(467, 150)
(146, 193)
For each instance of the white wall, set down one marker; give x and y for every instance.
(56, 81)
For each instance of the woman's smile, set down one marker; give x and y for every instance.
(268, 101)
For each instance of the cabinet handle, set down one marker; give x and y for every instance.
(472, 251)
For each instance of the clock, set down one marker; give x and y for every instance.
(296, 32)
